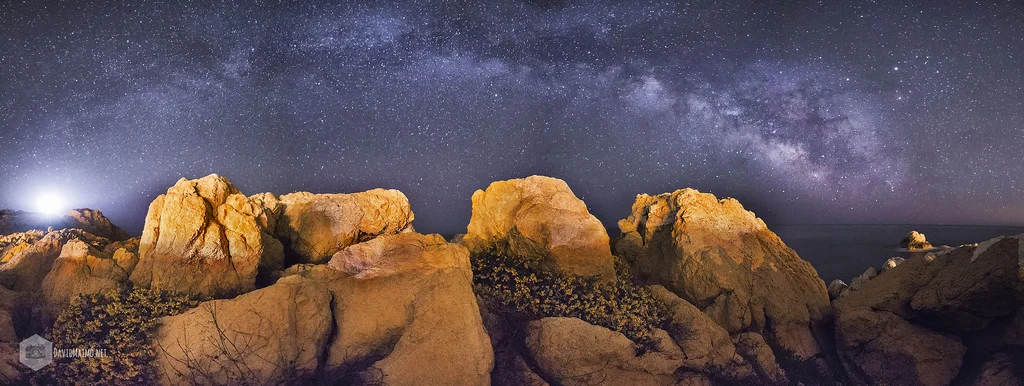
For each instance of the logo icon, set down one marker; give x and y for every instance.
(36, 352)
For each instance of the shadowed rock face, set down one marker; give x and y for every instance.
(316, 226)
(922, 321)
(541, 217)
(724, 260)
(205, 237)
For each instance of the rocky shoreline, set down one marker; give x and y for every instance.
(341, 289)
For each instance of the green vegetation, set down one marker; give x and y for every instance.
(518, 288)
(119, 321)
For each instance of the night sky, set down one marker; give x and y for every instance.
(808, 112)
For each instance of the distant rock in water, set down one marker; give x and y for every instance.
(725, 261)
(915, 240)
(89, 220)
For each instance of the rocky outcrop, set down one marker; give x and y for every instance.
(13, 244)
(316, 226)
(706, 346)
(89, 220)
(26, 270)
(709, 351)
(205, 237)
(915, 240)
(93, 221)
(404, 313)
(725, 261)
(540, 219)
(573, 352)
(82, 269)
(924, 319)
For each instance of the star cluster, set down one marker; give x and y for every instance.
(807, 111)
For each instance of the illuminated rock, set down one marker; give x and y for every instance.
(26, 270)
(724, 260)
(915, 240)
(407, 316)
(205, 237)
(540, 217)
(83, 269)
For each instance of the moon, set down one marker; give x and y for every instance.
(50, 203)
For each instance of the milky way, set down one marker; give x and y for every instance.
(808, 112)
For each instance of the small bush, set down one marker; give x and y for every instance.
(519, 288)
(119, 321)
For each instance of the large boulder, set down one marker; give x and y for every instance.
(316, 226)
(724, 260)
(269, 336)
(83, 269)
(205, 237)
(402, 313)
(573, 352)
(409, 312)
(540, 218)
(924, 319)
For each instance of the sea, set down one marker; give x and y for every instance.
(845, 251)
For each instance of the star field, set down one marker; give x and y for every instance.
(808, 112)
